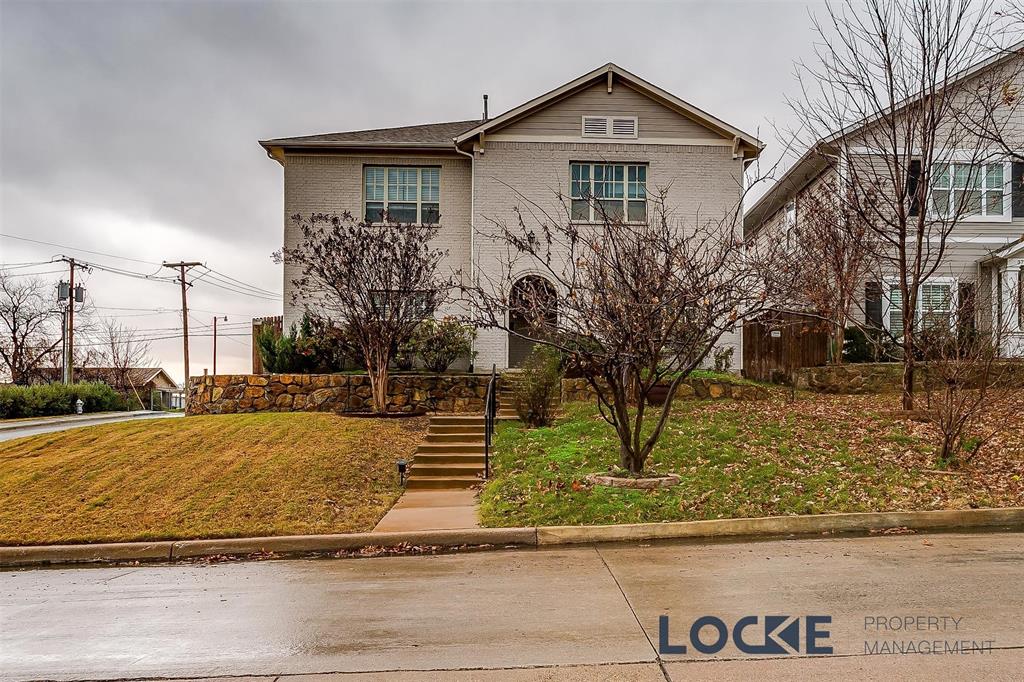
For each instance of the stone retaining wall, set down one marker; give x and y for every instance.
(578, 390)
(882, 377)
(228, 393)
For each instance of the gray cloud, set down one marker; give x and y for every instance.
(144, 116)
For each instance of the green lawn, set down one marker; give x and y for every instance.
(753, 458)
(203, 477)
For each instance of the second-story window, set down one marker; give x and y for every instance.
(617, 190)
(408, 194)
(965, 190)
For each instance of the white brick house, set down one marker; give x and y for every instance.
(606, 122)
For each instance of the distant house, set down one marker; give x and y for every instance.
(153, 384)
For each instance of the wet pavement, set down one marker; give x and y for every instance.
(34, 427)
(547, 614)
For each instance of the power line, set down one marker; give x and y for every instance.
(72, 248)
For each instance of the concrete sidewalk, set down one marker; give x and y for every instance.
(566, 613)
(30, 427)
(432, 510)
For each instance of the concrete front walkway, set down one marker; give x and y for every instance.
(432, 510)
(566, 613)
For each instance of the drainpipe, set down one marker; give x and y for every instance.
(472, 210)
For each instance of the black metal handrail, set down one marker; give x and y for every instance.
(490, 413)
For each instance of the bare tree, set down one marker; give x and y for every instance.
(636, 306)
(836, 250)
(380, 280)
(885, 109)
(121, 351)
(31, 326)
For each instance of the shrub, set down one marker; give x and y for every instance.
(317, 345)
(56, 399)
(870, 345)
(539, 386)
(440, 343)
(723, 358)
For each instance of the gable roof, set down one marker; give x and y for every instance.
(812, 163)
(139, 376)
(450, 135)
(684, 108)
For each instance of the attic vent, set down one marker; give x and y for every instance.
(608, 126)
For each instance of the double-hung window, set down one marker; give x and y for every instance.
(407, 194)
(615, 190)
(936, 305)
(965, 190)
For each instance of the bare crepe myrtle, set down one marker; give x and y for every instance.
(634, 307)
(380, 279)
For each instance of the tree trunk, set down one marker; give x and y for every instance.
(908, 380)
(629, 461)
(840, 340)
(377, 370)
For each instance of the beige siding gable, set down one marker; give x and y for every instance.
(563, 118)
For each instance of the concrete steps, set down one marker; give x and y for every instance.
(452, 454)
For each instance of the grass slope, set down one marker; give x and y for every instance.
(738, 459)
(201, 477)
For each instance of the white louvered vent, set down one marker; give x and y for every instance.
(623, 127)
(610, 126)
(595, 126)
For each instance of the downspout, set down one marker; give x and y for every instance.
(472, 210)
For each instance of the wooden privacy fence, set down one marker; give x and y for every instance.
(275, 322)
(779, 342)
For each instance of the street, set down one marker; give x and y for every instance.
(549, 614)
(34, 427)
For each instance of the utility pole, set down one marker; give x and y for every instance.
(75, 295)
(181, 266)
(215, 343)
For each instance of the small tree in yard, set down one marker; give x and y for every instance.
(379, 280)
(836, 249)
(121, 351)
(638, 304)
(965, 382)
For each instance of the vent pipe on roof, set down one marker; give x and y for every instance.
(485, 119)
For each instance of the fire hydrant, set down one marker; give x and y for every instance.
(78, 406)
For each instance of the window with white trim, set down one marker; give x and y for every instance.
(966, 190)
(936, 305)
(408, 194)
(615, 189)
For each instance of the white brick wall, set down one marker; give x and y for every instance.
(703, 182)
(333, 183)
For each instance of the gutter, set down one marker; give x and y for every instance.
(472, 208)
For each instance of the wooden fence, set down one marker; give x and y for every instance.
(275, 322)
(777, 343)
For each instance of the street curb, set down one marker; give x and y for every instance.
(783, 525)
(763, 527)
(308, 544)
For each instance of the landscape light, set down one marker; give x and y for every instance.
(402, 465)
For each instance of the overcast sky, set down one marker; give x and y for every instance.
(130, 129)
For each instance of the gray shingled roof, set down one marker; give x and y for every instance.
(439, 134)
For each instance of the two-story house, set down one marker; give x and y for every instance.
(983, 252)
(606, 134)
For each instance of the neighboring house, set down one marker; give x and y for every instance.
(984, 253)
(606, 130)
(146, 381)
